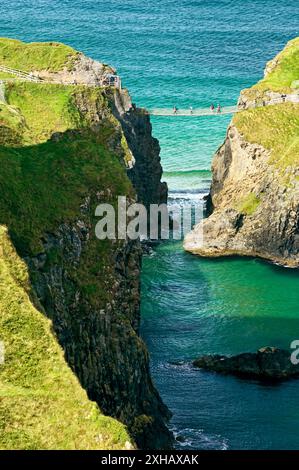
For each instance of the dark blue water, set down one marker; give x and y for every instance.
(193, 53)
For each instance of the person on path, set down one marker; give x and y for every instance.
(218, 109)
(175, 110)
(212, 108)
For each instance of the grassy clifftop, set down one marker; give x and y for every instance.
(283, 71)
(42, 405)
(43, 180)
(36, 56)
(275, 126)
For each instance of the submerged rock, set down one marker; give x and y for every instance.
(266, 363)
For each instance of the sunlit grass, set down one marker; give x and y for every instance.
(42, 405)
(36, 56)
(276, 128)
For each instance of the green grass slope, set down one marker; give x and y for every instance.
(275, 127)
(283, 70)
(43, 181)
(36, 56)
(42, 405)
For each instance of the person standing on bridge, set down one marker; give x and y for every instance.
(212, 108)
(218, 109)
(175, 110)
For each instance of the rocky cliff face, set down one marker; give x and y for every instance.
(254, 195)
(100, 337)
(76, 156)
(146, 172)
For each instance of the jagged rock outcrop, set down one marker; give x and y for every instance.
(254, 197)
(146, 172)
(74, 158)
(83, 70)
(267, 363)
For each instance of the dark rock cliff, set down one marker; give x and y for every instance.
(101, 337)
(101, 342)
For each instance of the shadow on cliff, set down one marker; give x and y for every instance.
(90, 289)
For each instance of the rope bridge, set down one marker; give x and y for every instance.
(194, 112)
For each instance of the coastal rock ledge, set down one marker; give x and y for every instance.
(267, 363)
(253, 205)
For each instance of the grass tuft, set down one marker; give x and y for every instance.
(249, 204)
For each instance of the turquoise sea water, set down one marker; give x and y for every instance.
(192, 53)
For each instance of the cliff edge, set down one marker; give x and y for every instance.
(254, 196)
(67, 144)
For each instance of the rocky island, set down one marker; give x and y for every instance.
(254, 197)
(267, 363)
(69, 303)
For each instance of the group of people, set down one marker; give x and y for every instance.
(218, 109)
(212, 108)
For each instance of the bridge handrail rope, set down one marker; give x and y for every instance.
(294, 98)
(105, 81)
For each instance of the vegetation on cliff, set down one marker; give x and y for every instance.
(283, 71)
(274, 127)
(42, 404)
(249, 204)
(35, 56)
(43, 183)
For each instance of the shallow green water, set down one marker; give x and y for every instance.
(194, 306)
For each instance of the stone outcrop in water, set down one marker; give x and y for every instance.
(266, 363)
(85, 145)
(254, 197)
